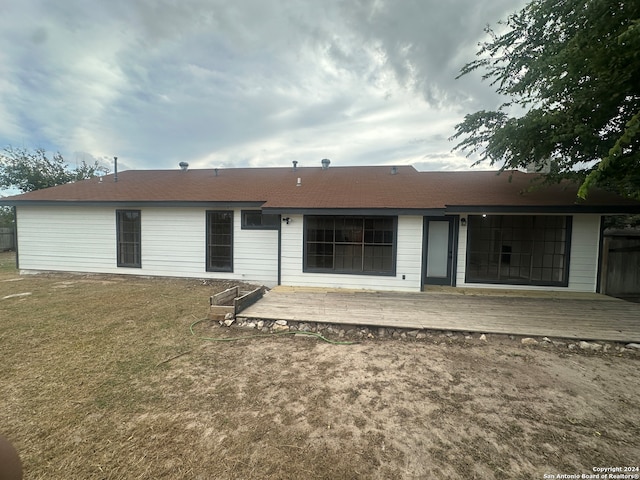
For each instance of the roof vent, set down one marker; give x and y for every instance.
(394, 170)
(295, 165)
(299, 182)
(215, 171)
(183, 166)
(325, 163)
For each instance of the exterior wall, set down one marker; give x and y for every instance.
(583, 258)
(408, 262)
(83, 239)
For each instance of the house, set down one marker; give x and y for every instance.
(382, 228)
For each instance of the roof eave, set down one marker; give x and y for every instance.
(558, 209)
(353, 211)
(131, 203)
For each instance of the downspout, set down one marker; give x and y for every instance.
(602, 255)
(279, 250)
(15, 235)
(423, 260)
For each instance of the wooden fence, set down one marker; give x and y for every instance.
(621, 265)
(7, 239)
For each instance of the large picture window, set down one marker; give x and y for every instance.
(128, 238)
(219, 241)
(518, 249)
(344, 244)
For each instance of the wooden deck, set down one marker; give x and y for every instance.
(572, 316)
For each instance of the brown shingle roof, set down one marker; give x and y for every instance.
(333, 188)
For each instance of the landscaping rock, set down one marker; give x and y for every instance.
(635, 346)
(594, 347)
(483, 338)
(279, 327)
(529, 341)
(421, 336)
(260, 324)
(229, 322)
(281, 322)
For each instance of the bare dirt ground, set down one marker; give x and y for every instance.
(100, 378)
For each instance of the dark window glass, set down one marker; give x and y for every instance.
(219, 241)
(518, 249)
(128, 238)
(256, 220)
(350, 244)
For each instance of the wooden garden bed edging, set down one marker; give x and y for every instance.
(232, 301)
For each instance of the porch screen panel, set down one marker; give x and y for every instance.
(220, 241)
(347, 244)
(518, 249)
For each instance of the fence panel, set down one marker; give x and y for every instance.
(7, 239)
(623, 266)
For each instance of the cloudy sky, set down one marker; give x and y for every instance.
(242, 82)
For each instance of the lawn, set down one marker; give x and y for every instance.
(101, 378)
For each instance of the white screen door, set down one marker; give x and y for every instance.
(438, 234)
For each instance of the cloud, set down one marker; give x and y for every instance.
(250, 82)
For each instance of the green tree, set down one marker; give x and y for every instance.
(32, 170)
(570, 70)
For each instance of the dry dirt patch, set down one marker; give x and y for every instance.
(86, 395)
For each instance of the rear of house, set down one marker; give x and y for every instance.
(378, 228)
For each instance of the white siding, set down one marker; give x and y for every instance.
(67, 239)
(83, 239)
(255, 253)
(409, 261)
(583, 263)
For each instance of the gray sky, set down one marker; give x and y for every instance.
(242, 83)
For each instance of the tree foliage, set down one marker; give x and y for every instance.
(6, 217)
(570, 70)
(33, 170)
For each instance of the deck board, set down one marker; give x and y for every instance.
(586, 317)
